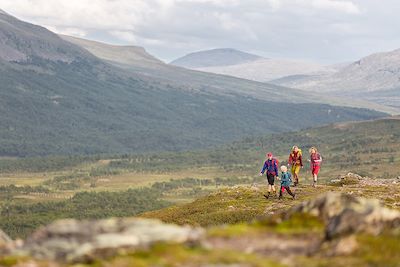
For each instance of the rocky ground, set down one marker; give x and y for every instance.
(337, 225)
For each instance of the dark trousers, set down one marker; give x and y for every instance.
(287, 188)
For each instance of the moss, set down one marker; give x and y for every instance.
(178, 255)
(235, 230)
(300, 223)
(380, 250)
(297, 224)
(9, 261)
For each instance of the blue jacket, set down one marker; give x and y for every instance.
(286, 179)
(271, 166)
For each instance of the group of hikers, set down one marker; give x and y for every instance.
(295, 162)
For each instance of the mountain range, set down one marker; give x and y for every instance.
(375, 78)
(71, 96)
(228, 61)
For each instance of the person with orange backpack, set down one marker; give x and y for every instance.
(271, 169)
(296, 163)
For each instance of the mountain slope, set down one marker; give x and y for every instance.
(57, 98)
(363, 79)
(214, 57)
(129, 55)
(20, 41)
(192, 80)
(379, 71)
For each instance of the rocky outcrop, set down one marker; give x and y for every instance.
(83, 241)
(347, 179)
(345, 214)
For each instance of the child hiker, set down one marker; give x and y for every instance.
(296, 163)
(286, 179)
(315, 164)
(271, 169)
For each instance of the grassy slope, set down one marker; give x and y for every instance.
(238, 205)
(259, 243)
(244, 204)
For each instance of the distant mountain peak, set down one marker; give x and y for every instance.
(215, 57)
(125, 55)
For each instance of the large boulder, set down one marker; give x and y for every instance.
(345, 214)
(81, 241)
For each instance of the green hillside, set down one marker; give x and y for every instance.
(57, 98)
(75, 112)
(369, 148)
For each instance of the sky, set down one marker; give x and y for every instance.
(326, 31)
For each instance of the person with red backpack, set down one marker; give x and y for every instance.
(271, 169)
(315, 164)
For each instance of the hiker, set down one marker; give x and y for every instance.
(315, 164)
(286, 179)
(296, 163)
(271, 169)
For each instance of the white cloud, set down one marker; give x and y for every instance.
(125, 35)
(337, 5)
(320, 29)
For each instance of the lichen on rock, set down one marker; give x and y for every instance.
(79, 241)
(346, 214)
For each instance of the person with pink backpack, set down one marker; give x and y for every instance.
(315, 164)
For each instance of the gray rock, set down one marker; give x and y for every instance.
(348, 179)
(80, 241)
(345, 214)
(4, 238)
(340, 247)
(7, 245)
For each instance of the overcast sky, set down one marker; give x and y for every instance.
(327, 31)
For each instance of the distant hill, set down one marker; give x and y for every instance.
(362, 79)
(265, 70)
(214, 57)
(58, 98)
(130, 55)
